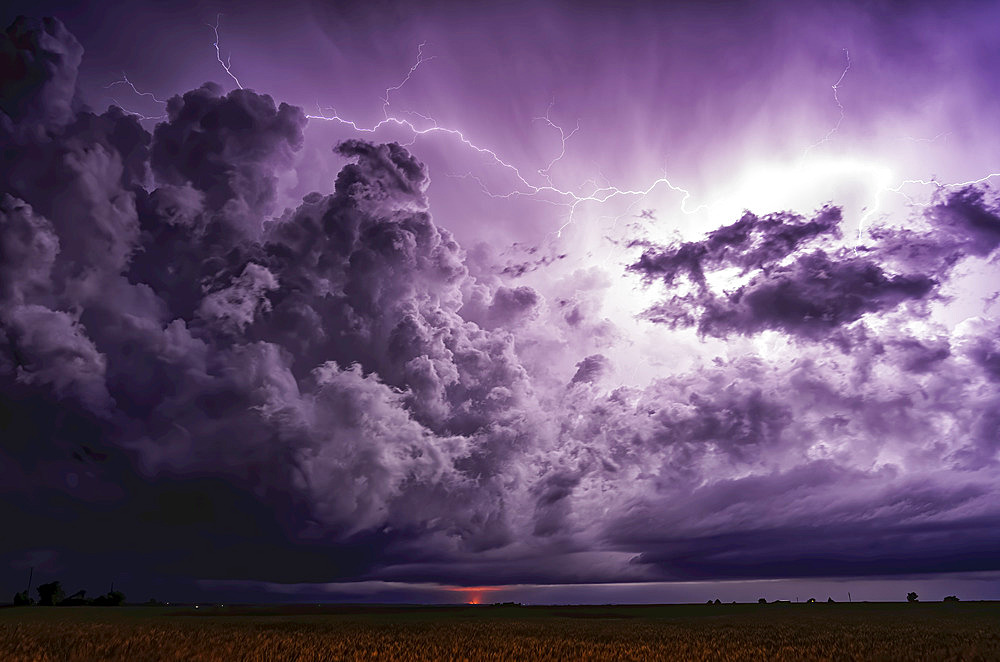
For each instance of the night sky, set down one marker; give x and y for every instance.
(545, 302)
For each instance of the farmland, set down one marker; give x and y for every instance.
(890, 631)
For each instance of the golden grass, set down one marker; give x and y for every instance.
(966, 631)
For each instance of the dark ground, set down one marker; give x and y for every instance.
(882, 631)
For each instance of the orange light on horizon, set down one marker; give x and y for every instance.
(473, 594)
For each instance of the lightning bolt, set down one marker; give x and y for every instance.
(840, 107)
(544, 172)
(591, 191)
(885, 188)
(127, 83)
(526, 188)
(406, 79)
(938, 185)
(898, 189)
(226, 65)
(943, 134)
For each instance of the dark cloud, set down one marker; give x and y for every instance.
(790, 278)
(809, 297)
(293, 357)
(985, 352)
(39, 61)
(227, 147)
(751, 243)
(832, 536)
(970, 219)
(591, 368)
(921, 356)
(529, 261)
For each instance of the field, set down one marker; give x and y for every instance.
(884, 631)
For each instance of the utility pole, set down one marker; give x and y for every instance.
(31, 575)
(849, 596)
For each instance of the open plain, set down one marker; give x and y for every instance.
(859, 631)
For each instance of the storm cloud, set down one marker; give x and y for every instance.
(339, 391)
(790, 274)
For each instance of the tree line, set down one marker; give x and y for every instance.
(52, 594)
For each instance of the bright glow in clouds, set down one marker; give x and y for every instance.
(804, 187)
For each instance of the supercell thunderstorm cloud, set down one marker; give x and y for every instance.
(547, 302)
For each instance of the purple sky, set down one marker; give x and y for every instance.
(616, 303)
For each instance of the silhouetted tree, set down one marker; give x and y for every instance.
(830, 600)
(911, 597)
(21, 599)
(109, 599)
(50, 594)
(718, 601)
(77, 599)
(951, 598)
(762, 601)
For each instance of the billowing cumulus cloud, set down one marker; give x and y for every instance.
(340, 391)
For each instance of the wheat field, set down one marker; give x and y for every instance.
(882, 631)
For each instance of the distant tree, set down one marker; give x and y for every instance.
(109, 599)
(50, 594)
(811, 600)
(21, 599)
(951, 598)
(710, 602)
(830, 600)
(718, 601)
(762, 601)
(77, 599)
(911, 597)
